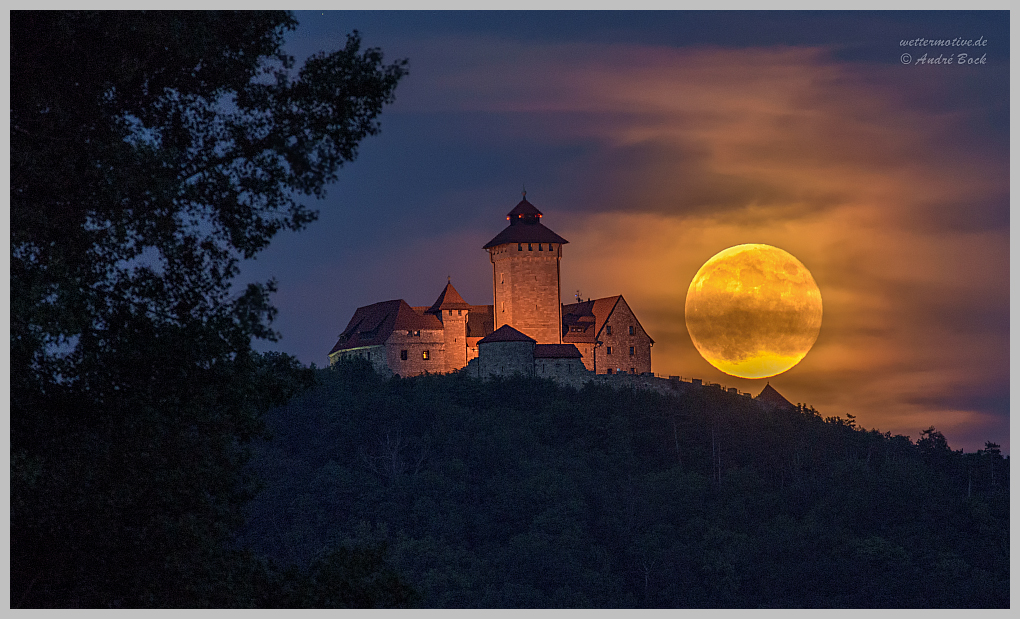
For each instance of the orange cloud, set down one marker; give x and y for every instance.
(868, 173)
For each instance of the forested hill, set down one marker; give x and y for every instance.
(522, 493)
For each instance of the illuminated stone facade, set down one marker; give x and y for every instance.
(566, 341)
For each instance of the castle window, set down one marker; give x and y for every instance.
(609, 371)
(519, 248)
(529, 246)
(631, 330)
(425, 355)
(417, 334)
(631, 351)
(451, 312)
(609, 350)
(539, 247)
(609, 329)
(403, 355)
(632, 371)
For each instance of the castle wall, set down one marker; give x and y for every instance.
(566, 371)
(507, 359)
(376, 355)
(615, 351)
(526, 289)
(472, 348)
(587, 358)
(431, 341)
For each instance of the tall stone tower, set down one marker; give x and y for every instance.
(525, 260)
(451, 309)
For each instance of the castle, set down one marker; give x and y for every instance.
(527, 330)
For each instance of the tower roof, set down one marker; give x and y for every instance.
(449, 298)
(525, 227)
(769, 395)
(523, 209)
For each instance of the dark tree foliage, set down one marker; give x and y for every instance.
(150, 152)
(522, 493)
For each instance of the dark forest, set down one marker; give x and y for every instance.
(522, 493)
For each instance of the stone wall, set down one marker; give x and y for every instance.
(454, 339)
(430, 341)
(526, 289)
(506, 359)
(565, 371)
(617, 340)
(587, 358)
(376, 355)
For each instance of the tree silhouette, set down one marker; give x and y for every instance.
(150, 152)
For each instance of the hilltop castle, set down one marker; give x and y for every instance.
(526, 330)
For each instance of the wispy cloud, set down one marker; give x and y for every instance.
(899, 207)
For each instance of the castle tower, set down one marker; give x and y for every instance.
(452, 311)
(525, 260)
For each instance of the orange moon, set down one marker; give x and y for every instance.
(753, 311)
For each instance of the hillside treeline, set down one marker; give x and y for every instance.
(522, 493)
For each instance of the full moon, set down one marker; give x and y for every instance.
(753, 311)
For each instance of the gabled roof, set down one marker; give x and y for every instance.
(770, 396)
(506, 333)
(557, 351)
(448, 299)
(580, 315)
(372, 325)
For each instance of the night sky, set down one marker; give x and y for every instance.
(653, 140)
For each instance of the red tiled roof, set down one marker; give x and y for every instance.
(480, 320)
(372, 325)
(556, 351)
(769, 395)
(592, 315)
(449, 298)
(580, 315)
(506, 333)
